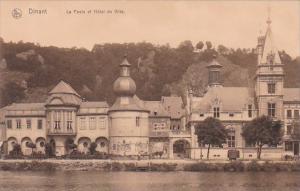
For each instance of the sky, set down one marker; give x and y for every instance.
(235, 24)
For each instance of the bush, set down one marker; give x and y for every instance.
(235, 166)
(197, 167)
(253, 166)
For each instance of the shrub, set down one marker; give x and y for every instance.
(235, 166)
(253, 166)
(92, 148)
(198, 167)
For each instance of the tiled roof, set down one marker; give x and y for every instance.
(134, 104)
(229, 99)
(156, 107)
(173, 106)
(63, 88)
(93, 104)
(25, 106)
(291, 94)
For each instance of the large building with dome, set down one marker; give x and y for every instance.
(163, 128)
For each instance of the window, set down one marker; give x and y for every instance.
(40, 124)
(42, 144)
(288, 129)
(231, 114)
(9, 124)
(137, 121)
(271, 88)
(92, 123)
(249, 110)
(28, 123)
(102, 123)
(201, 114)
(289, 113)
(18, 123)
(216, 112)
(296, 114)
(231, 138)
(82, 123)
(288, 146)
(69, 121)
(271, 109)
(56, 120)
(102, 144)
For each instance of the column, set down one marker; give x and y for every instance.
(171, 156)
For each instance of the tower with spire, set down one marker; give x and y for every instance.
(129, 125)
(269, 76)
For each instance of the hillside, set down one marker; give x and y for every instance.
(30, 70)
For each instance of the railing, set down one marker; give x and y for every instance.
(61, 132)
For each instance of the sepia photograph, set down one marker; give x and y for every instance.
(141, 95)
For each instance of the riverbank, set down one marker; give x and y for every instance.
(148, 165)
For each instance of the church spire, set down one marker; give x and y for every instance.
(269, 54)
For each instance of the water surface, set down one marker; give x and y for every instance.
(148, 181)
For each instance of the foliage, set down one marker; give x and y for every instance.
(92, 148)
(211, 132)
(155, 68)
(262, 130)
(49, 150)
(16, 152)
(12, 92)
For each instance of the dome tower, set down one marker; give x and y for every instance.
(129, 126)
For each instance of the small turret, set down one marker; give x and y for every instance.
(214, 69)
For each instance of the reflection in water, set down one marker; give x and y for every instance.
(148, 181)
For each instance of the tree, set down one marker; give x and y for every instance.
(262, 130)
(12, 92)
(92, 148)
(211, 132)
(199, 45)
(186, 46)
(70, 145)
(31, 145)
(208, 44)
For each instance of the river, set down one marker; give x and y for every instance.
(148, 181)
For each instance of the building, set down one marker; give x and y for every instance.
(235, 106)
(160, 129)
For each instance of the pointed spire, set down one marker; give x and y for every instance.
(270, 54)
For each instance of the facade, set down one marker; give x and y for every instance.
(160, 129)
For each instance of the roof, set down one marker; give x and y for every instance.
(156, 106)
(269, 48)
(228, 98)
(173, 106)
(25, 106)
(291, 94)
(129, 104)
(93, 104)
(63, 88)
(125, 62)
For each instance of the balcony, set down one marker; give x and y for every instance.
(61, 132)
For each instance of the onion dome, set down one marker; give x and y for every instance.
(124, 85)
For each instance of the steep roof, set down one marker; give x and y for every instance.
(173, 106)
(132, 104)
(63, 88)
(228, 98)
(291, 94)
(156, 108)
(269, 47)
